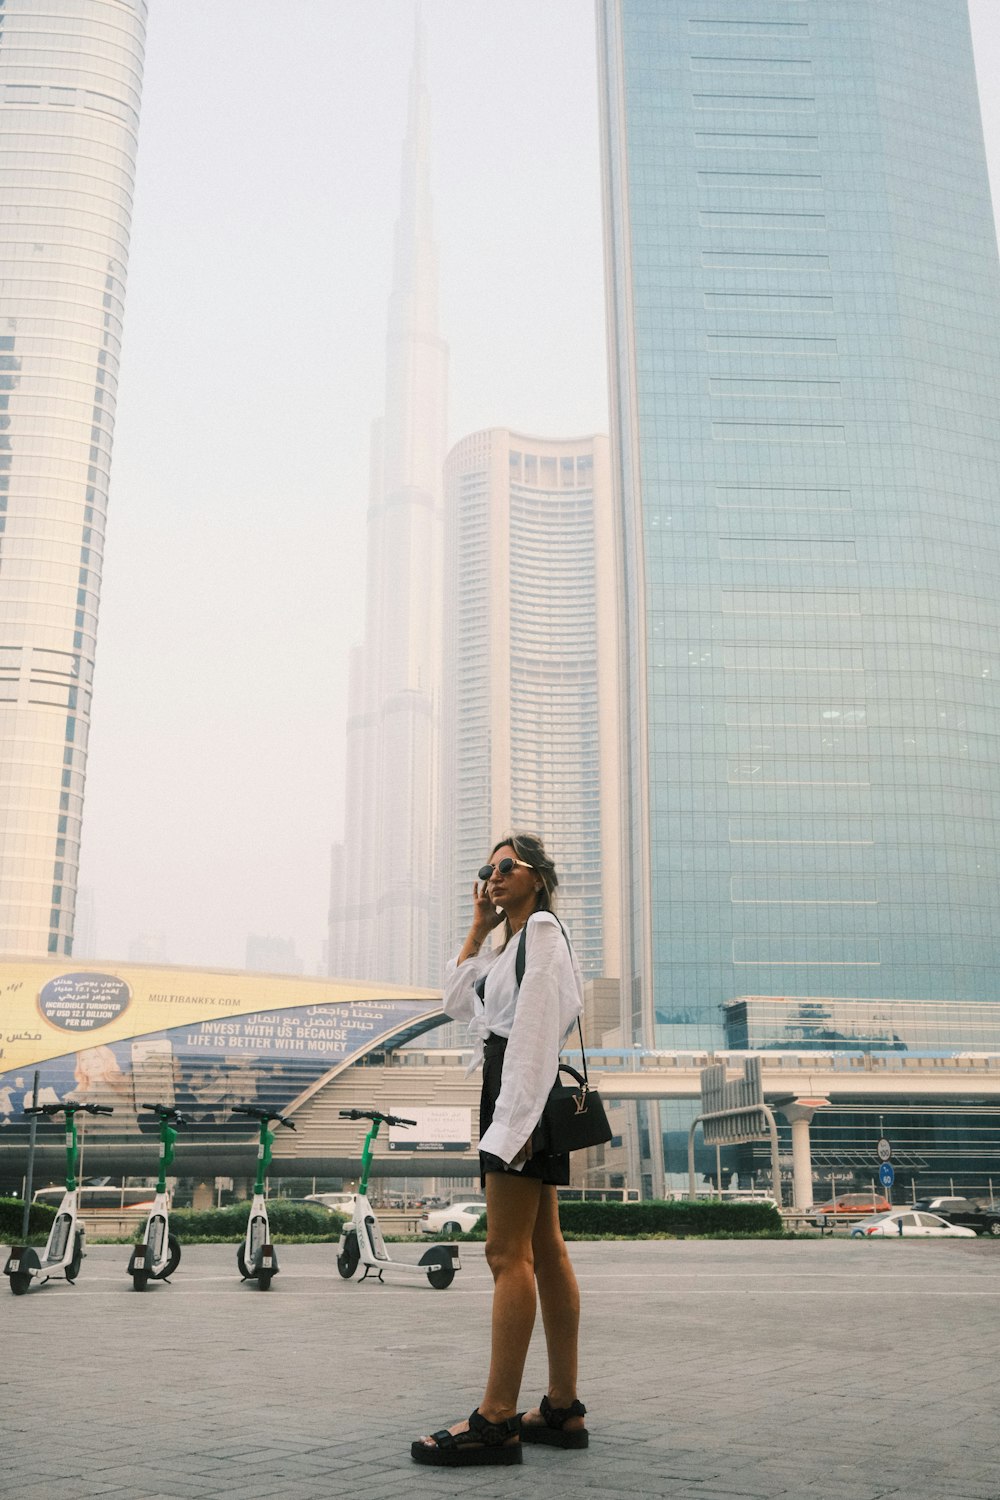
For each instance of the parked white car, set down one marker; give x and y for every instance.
(457, 1218)
(341, 1203)
(909, 1221)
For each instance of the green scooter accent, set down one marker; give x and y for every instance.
(361, 1242)
(66, 1245)
(158, 1254)
(257, 1258)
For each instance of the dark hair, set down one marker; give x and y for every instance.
(529, 847)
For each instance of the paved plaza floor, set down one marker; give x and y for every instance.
(826, 1368)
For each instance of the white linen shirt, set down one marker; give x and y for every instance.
(537, 1019)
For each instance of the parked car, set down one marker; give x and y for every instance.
(457, 1218)
(910, 1221)
(341, 1203)
(745, 1195)
(977, 1216)
(851, 1203)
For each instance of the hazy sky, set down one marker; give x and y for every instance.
(268, 187)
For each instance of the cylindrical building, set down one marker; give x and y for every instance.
(70, 78)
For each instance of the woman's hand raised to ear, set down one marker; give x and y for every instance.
(484, 918)
(484, 914)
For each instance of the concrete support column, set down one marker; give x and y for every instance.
(799, 1113)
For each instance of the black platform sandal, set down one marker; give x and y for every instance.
(553, 1430)
(484, 1443)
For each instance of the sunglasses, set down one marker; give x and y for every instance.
(505, 866)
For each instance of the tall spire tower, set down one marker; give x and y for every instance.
(383, 890)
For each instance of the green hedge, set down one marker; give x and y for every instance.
(655, 1217)
(229, 1224)
(223, 1224)
(12, 1217)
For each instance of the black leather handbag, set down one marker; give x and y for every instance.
(574, 1117)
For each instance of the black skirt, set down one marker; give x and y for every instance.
(543, 1165)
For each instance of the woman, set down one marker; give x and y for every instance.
(523, 1029)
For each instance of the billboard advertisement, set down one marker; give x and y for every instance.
(203, 1041)
(445, 1129)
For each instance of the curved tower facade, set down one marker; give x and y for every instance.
(70, 79)
(529, 705)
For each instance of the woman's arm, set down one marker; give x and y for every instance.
(460, 998)
(532, 1056)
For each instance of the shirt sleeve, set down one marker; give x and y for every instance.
(532, 1056)
(460, 999)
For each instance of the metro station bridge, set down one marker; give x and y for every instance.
(794, 1083)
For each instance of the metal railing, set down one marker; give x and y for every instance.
(633, 1059)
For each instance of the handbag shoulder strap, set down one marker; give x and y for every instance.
(519, 960)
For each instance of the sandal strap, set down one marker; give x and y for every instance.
(490, 1434)
(481, 1433)
(558, 1416)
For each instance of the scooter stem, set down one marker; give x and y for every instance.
(71, 1150)
(168, 1136)
(366, 1157)
(263, 1155)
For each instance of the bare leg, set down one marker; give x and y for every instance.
(511, 1209)
(560, 1301)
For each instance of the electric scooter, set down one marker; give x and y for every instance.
(361, 1243)
(67, 1241)
(257, 1257)
(157, 1255)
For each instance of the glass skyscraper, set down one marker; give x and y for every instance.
(70, 79)
(804, 312)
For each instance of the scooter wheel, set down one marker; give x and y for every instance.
(441, 1276)
(242, 1263)
(173, 1257)
(20, 1282)
(140, 1280)
(264, 1280)
(347, 1260)
(73, 1269)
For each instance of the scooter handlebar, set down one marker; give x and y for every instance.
(166, 1112)
(373, 1115)
(253, 1113)
(70, 1108)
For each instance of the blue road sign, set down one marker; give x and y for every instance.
(886, 1175)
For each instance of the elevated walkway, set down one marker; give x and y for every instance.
(413, 1078)
(638, 1074)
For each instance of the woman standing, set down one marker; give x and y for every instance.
(521, 1029)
